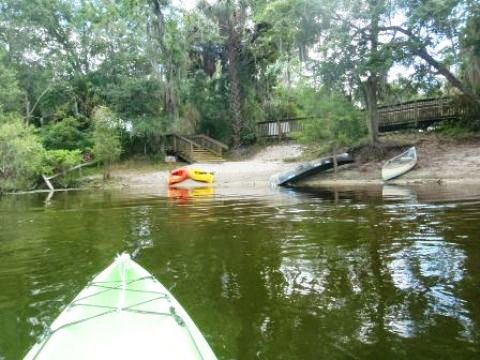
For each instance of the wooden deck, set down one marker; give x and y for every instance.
(412, 114)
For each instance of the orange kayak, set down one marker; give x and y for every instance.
(177, 175)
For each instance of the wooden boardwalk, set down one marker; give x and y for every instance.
(416, 114)
(412, 114)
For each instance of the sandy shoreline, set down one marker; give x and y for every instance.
(440, 161)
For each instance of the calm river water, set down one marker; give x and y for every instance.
(389, 273)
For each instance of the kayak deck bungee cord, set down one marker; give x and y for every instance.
(123, 313)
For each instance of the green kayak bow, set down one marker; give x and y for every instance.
(123, 313)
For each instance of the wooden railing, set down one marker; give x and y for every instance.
(417, 113)
(208, 143)
(185, 146)
(280, 128)
(182, 146)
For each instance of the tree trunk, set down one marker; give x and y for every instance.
(372, 81)
(106, 171)
(233, 44)
(27, 110)
(371, 93)
(161, 53)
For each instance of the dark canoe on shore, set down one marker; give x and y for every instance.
(308, 169)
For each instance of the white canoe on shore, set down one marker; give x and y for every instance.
(400, 164)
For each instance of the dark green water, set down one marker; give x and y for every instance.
(287, 275)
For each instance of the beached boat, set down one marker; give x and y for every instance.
(308, 169)
(400, 164)
(177, 176)
(123, 313)
(200, 175)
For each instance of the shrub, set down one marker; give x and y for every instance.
(106, 138)
(21, 155)
(58, 161)
(65, 134)
(61, 160)
(337, 122)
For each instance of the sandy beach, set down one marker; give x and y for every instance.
(440, 161)
(251, 173)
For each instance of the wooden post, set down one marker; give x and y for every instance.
(279, 129)
(335, 164)
(417, 115)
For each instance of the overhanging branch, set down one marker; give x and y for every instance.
(420, 50)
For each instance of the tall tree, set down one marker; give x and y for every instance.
(230, 16)
(358, 42)
(470, 49)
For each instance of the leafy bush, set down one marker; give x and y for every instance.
(470, 119)
(61, 160)
(106, 138)
(21, 155)
(58, 161)
(66, 134)
(336, 123)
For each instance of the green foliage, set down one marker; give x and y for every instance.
(209, 98)
(470, 44)
(59, 161)
(336, 123)
(65, 134)
(223, 66)
(21, 155)
(10, 92)
(283, 104)
(470, 120)
(106, 138)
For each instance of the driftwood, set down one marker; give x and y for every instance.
(47, 181)
(76, 167)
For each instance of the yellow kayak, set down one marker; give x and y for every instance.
(200, 175)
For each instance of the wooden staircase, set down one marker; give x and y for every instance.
(206, 156)
(196, 148)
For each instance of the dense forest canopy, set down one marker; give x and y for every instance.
(219, 67)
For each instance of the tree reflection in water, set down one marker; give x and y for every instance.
(343, 274)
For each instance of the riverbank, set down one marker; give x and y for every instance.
(252, 173)
(440, 160)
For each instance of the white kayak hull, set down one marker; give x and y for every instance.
(124, 313)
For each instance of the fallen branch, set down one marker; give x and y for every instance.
(47, 181)
(76, 167)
